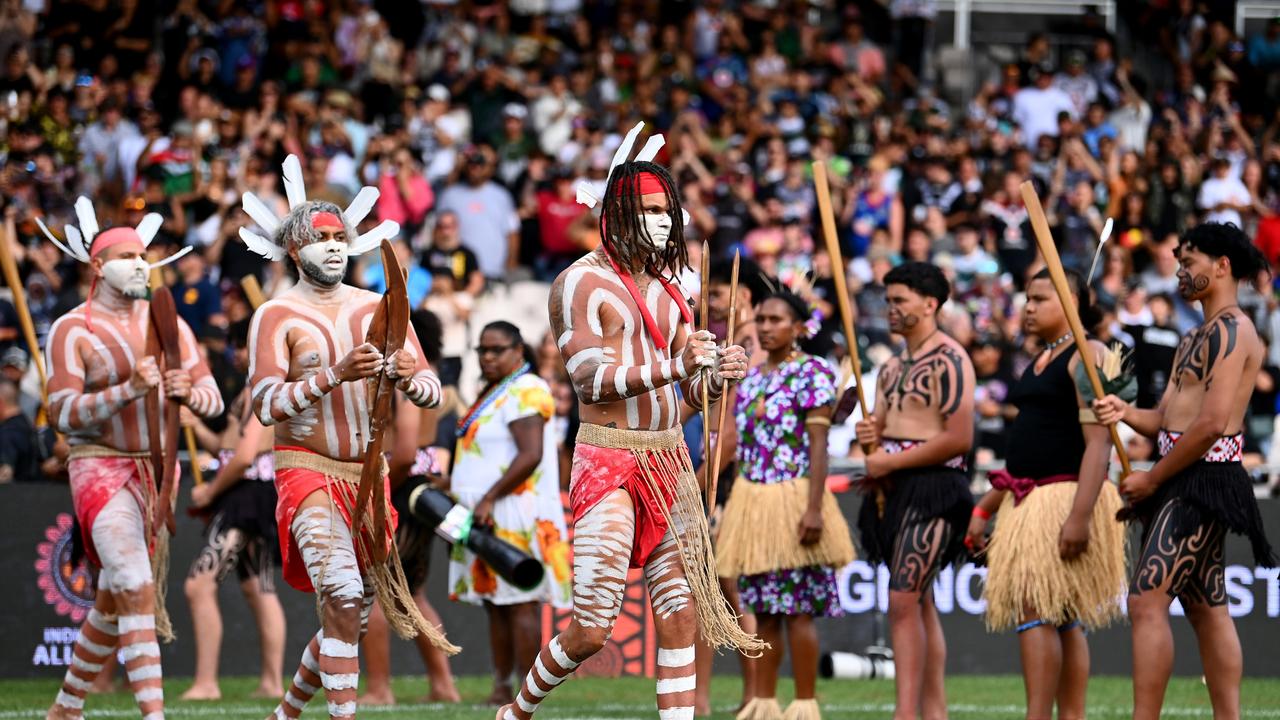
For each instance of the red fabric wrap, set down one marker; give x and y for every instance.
(1022, 487)
(645, 183)
(293, 485)
(95, 480)
(599, 471)
(655, 333)
(326, 221)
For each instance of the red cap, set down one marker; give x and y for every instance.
(115, 236)
(326, 221)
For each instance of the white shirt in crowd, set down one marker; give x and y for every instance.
(1219, 190)
(1036, 111)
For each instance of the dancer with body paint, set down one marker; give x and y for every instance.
(923, 427)
(623, 331)
(308, 361)
(783, 537)
(1055, 563)
(240, 536)
(99, 374)
(1198, 490)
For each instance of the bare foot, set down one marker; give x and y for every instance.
(501, 695)
(447, 695)
(203, 692)
(376, 699)
(267, 692)
(702, 709)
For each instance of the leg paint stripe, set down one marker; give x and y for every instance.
(67, 700)
(335, 648)
(509, 715)
(140, 650)
(280, 713)
(80, 663)
(676, 713)
(559, 655)
(153, 716)
(92, 647)
(340, 681)
(303, 685)
(676, 685)
(76, 683)
(294, 702)
(134, 623)
(149, 694)
(146, 672)
(309, 661)
(102, 623)
(525, 705)
(346, 709)
(675, 658)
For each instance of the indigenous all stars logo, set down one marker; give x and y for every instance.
(68, 588)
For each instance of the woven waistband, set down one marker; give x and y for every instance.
(90, 450)
(1226, 449)
(626, 439)
(327, 466)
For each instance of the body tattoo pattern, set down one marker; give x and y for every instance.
(917, 553)
(1190, 568)
(935, 380)
(1200, 351)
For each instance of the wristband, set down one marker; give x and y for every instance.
(979, 512)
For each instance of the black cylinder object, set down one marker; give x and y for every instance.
(435, 509)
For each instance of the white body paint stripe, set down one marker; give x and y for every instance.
(149, 694)
(340, 681)
(676, 685)
(346, 709)
(81, 664)
(338, 649)
(140, 650)
(67, 700)
(558, 654)
(293, 701)
(134, 623)
(145, 672)
(675, 658)
(676, 713)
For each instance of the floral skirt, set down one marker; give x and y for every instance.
(808, 590)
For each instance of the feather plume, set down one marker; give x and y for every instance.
(53, 239)
(360, 206)
(651, 148)
(1102, 241)
(261, 245)
(172, 257)
(624, 150)
(385, 230)
(76, 241)
(260, 213)
(587, 196)
(88, 218)
(148, 228)
(293, 186)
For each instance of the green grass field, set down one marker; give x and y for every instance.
(992, 697)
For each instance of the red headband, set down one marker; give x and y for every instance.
(646, 183)
(326, 221)
(113, 237)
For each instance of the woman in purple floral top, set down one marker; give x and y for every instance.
(782, 534)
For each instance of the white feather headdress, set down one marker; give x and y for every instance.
(587, 196)
(80, 241)
(296, 193)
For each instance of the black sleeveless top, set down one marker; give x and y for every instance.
(1045, 438)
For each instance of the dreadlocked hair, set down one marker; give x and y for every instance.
(296, 229)
(1225, 240)
(625, 236)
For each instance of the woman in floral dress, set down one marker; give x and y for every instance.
(503, 474)
(782, 534)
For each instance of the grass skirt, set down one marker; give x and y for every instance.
(1210, 491)
(1024, 569)
(760, 526)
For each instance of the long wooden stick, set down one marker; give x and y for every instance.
(1051, 260)
(837, 274)
(188, 433)
(252, 291)
(724, 396)
(10, 268)
(705, 293)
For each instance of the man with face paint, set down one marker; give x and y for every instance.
(1198, 490)
(99, 373)
(624, 332)
(923, 429)
(308, 365)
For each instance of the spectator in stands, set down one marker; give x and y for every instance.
(198, 298)
(448, 255)
(488, 224)
(1223, 197)
(1036, 108)
(20, 451)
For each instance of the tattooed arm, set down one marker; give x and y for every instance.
(1074, 536)
(73, 410)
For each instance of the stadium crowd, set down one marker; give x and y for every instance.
(477, 120)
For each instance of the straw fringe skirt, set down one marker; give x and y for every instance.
(758, 530)
(1024, 569)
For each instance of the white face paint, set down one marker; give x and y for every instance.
(128, 276)
(658, 228)
(324, 262)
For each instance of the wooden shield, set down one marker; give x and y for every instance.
(163, 345)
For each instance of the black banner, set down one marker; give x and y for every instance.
(48, 599)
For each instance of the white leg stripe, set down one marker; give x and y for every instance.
(340, 681)
(303, 685)
(146, 672)
(675, 685)
(76, 683)
(134, 623)
(294, 702)
(280, 713)
(675, 658)
(153, 716)
(346, 709)
(139, 650)
(510, 715)
(525, 705)
(93, 647)
(309, 661)
(676, 713)
(102, 624)
(335, 648)
(558, 654)
(536, 691)
(68, 700)
(80, 663)
(545, 674)
(149, 694)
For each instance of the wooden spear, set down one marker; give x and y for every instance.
(724, 396)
